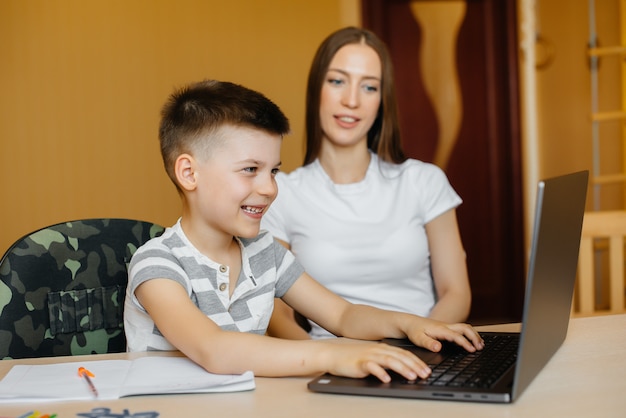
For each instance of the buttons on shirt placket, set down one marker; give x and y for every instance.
(224, 285)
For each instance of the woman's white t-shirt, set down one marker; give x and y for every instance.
(364, 241)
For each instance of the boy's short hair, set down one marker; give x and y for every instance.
(197, 110)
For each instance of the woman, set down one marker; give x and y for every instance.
(365, 221)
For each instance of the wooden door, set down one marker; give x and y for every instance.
(457, 81)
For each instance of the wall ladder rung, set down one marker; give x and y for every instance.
(609, 179)
(607, 116)
(607, 50)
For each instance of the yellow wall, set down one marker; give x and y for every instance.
(82, 83)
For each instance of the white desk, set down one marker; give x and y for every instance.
(585, 378)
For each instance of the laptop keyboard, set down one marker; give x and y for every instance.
(481, 369)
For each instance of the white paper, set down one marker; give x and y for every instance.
(149, 375)
(114, 379)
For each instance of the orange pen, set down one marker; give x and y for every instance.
(82, 372)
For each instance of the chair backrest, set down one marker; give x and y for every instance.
(603, 232)
(62, 288)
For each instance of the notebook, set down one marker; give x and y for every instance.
(114, 379)
(549, 290)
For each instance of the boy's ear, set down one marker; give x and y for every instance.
(184, 168)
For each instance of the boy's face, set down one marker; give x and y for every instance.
(236, 184)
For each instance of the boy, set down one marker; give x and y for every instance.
(206, 286)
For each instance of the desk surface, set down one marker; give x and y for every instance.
(585, 378)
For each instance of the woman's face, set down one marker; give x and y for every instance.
(350, 95)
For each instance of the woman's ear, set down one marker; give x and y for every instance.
(184, 167)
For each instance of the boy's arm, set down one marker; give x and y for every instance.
(228, 352)
(368, 323)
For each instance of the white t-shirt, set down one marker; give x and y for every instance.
(364, 241)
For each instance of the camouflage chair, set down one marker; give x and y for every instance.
(62, 288)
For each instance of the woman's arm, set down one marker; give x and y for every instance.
(448, 263)
(283, 323)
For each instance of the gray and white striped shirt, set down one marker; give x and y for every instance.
(268, 270)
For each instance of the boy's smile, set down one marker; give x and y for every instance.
(254, 211)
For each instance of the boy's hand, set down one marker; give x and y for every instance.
(429, 335)
(362, 359)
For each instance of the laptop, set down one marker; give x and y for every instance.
(552, 268)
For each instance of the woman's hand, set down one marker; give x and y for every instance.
(430, 333)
